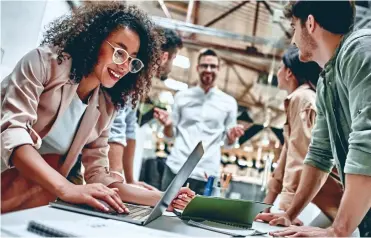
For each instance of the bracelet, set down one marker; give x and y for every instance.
(119, 174)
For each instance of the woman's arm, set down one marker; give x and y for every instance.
(20, 98)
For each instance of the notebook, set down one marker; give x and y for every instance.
(222, 214)
(93, 227)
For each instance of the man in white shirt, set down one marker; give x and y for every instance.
(122, 138)
(202, 113)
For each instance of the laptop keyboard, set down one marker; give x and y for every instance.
(137, 212)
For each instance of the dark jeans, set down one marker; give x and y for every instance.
(152, 171)
(197, 186)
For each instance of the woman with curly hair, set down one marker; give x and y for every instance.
(60, 100)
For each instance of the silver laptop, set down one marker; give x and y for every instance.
(142, 215)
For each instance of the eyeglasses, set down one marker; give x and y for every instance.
(206, 66)
(120, 56)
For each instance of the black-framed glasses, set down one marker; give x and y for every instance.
(206, 66)
(120, 56)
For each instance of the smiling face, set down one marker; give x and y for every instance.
(208, 69)
(106, 71)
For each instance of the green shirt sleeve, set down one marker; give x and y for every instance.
(319, 154)
(355, 70)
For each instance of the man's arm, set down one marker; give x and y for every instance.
(128, 160)
(170, 121)
(117, 141)
(355, 68)
(351, 213)
(128, 154)
(312, 179)
(165, 119)
(115, 155)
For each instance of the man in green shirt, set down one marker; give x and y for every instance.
(342, 134)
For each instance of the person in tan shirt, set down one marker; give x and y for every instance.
(299, 80)
(60, 101)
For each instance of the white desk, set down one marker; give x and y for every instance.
(170, 224)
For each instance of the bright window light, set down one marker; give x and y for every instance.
(182, 62)
(175, 85)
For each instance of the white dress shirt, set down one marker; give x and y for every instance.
(199, 116)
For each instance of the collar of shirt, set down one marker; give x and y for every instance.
(201, 90)
(298, 90)
(331, 62)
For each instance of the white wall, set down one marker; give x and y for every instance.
(22, 24)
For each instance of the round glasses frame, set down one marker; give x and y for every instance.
(128, 57)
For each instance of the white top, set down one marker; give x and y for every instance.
(201, 117)
(59, 139)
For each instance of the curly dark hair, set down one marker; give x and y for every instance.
(81, 34)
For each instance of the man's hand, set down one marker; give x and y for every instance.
(144, 185)
(278, 219)
(184, 196)
(162, 116)
(234, 133)
(305, 231)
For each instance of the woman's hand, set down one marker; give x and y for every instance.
(184, 196)
(90, 194)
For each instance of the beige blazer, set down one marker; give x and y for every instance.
(35, 95)
(301, 112)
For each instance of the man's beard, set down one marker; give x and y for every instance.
(163, 72)
(207, 80)
(308, 45)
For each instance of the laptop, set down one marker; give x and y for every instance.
(142, 215)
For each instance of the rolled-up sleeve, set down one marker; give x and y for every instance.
(320, 154)
(117, 132)
(355, 67)
(20, 93)
(131, 121)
